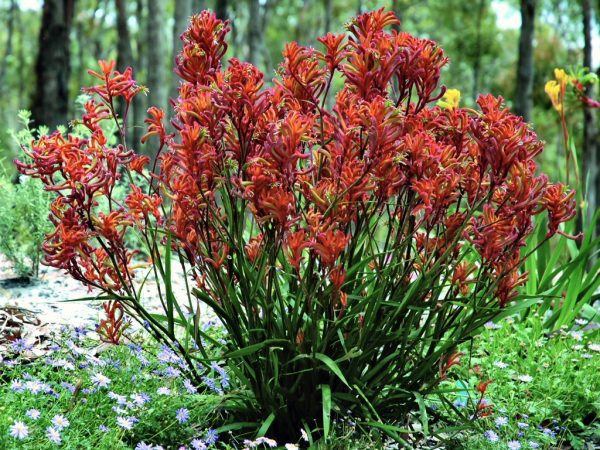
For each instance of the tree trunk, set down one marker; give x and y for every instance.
(20, 55)
(477, 59)
(53, 65)
(156, 73)
(183, 11)
(139, 101)
(221, 9)
(524, 94)
(10, 28)
(254, 32)
(590, 157)
(328, 7)
(124, 52)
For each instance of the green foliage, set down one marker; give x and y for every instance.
(563, 275)
(66, 376)
(23, 214)
(545, 385)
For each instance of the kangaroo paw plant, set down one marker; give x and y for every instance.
(347, 230)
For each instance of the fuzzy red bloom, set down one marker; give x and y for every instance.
(561, 206)
(295, 243)
(329, 244)
(155, 125)
(483, 385)
(112, 327)
(115, 84)
(142, 205)
(138, 163)
(446, 363)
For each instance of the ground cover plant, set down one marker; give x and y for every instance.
(538, 389)
(347, 251)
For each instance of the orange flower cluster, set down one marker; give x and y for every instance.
(88, 241)
(307, 169)
(310, 175)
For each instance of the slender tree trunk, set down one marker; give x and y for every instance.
(477, 60)
(53, 65)
(155, 71)
(590, 156)
(98, 51)
(183, 11)
(139, 101)
(10, 28)
(22, 67)
(254, 31)
(221, 9)
(524, 94)
(124, 52)
(328, 7)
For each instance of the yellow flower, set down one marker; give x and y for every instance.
(450, 100)
(561, 77)
(556, 88)
(553, 89)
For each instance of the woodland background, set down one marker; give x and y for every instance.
(506, 47)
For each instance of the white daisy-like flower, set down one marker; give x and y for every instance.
(577, 335)
(594, 347)
(100, 380)
(304, 435)
(500, 364)
(525, 378)
(19, 430)
(60, 422)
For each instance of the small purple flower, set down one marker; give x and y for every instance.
(171, 372)
(163, 390)
(34, 386)
(198, 444)
(17, 386)
(514, 445)
(60, 421)
(501, 421)
(53, 435)
(100, 380)
(491, 436)
(212, 385)
(183, 415)
(20, 345)
(211, 437)
(187, 384)
(143, 446)
(103, 428)
(140, 398)
(548, 432)
(533, 444)
(522, 425)
(125, 422)
(19, 430)
(33, 414)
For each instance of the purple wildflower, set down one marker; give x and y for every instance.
(491, 436)
(211, 437)
(19, 430)
(33, 414)
(60, 421)
(53, 435)
(183, 415)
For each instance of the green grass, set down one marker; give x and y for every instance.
(545, 386)
(557, 405)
